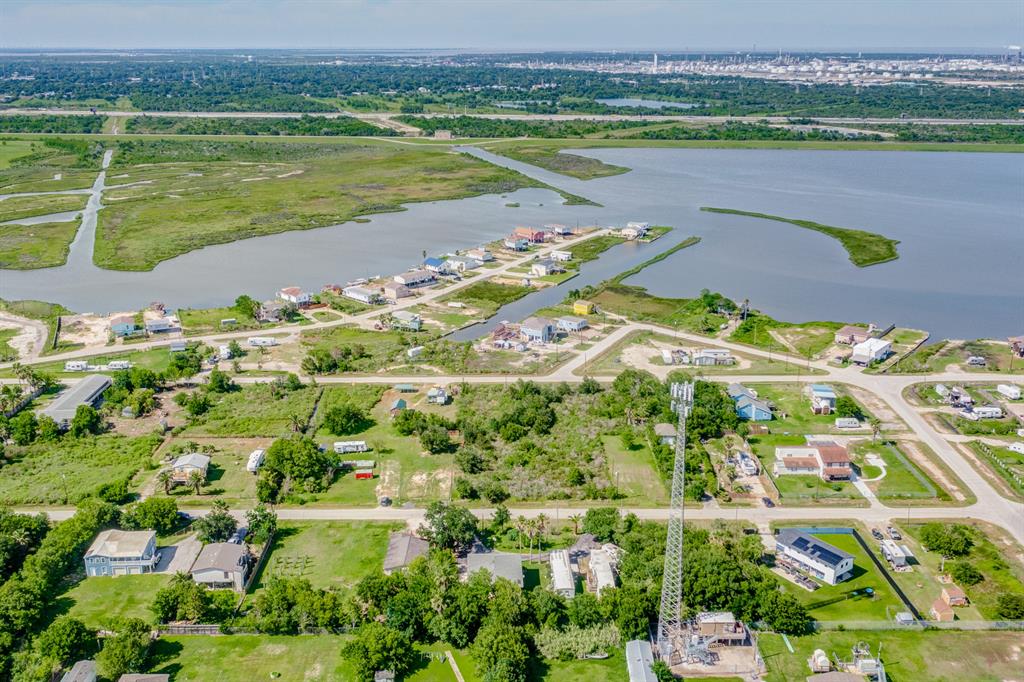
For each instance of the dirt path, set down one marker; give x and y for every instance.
(31, 337)
(916, 453)
(879, 408)
(784, 341)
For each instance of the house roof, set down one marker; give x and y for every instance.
(416, 275)
(716, 617)
(832, 454)
(836, 676)
(499, 564)
(738, 391)
(292, 291)
(121, 543)
(220, 556)
(850, 329)
(405, 316)
(811, 546)
(639, 659)
(434, 262)
(572, 319)
(753, 402)
(954, 592)
(823, 390)
(798, 462)
(192, 459)
(402, 549)
(82, 671)
(664, 430)
(84, 392)
(535, 323)
(398, 404)
(939, 606)
(123, 319)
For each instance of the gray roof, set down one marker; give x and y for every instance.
(811, 546)
(82, 671)
(193, 459)
(220, 556)
(499, 564)
(121, 543)
(738, 390)
(535, 323)
(760, 404)
(144, 677)
(402, 549)
(639, 659)
(84, 392)
(664, 430)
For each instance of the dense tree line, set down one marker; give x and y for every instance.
(471, 126)
(305, 125)
(20, 536)
(23, 123)
(747, 131)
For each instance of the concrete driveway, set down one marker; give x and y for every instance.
(180, 556)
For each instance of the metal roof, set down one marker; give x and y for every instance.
(639, 659)
(121, 543)
(499, 564)
(84, 392)
(220, 556)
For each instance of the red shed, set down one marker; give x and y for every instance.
(364, 473)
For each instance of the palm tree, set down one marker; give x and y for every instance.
(542, 524)
(196, 480)
(164, 479)
(296, 423)
(876, 428)
(520, 526)
(576, 519)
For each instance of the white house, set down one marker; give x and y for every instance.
(823, 398)
(295, 295)
(482, 255)
(869, 351)
(562, 256)
(1009, 391)
(462, 263)
(183, 467)
(415, 278)
(255, 460)
(635, 230)
(222, 565)
(825, 562)
(361, 294)
(545, 267)
(602, 570)
(562, 580)
(343, 446)
(159, 324)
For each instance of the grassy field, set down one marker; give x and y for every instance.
(98, 601)
(214, 192)
(7, 351)
(330, 554)
(312, 658)
(1003, 463)
(488, 296)
(935, 656)
(11, 150)
(634, 473)
(198, 321)
(864, 248)
(793, 408)
(380, 348)
(552, 158)
(849, 601)
(903, 481)
(16, 208)
(253, 411)
(44, 245)
(592, 249)
(47, 473)
(227, 478)
(156, 359)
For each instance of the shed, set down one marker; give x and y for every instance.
(562, 580)
(666, 433)
(498, 564)
(405, 388)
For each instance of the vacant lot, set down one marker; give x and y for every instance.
(634, 473)
(256, 410)
(327, 553)
(199, 193)
(552, 158)
(100, 600)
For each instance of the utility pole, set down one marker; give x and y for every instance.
(672, 580)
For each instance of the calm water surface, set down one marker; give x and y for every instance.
(959, 217)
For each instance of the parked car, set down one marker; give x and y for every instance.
(385, 501)
(894, 534)
(239, 535)
(768, 502)
(877, 534)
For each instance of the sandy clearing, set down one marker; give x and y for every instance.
(253, 179)
(291, 173)
(878, 407)
(31, 336)
(913, 449)
(389, 476)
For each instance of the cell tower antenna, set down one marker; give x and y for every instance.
(669, 619)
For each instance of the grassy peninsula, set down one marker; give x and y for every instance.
(864, 248)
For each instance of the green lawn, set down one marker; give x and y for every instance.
(903, 481)
(634, 472)
(1004, 463)
(213, 192)
(11, 150)
(247, 658)
(255, 410)
(800, 489)
(208, 320)
(227, 478)
(7, 351)
(488, 296)
(330, 554)
(380, 348)
(45, 245)
(851, 602)
(935, 656)
(793, 408)
(97, 601)
(552, 158)
(47, 473)
(156, 359)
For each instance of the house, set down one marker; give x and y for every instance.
(361, 294)
(182, 467)
(561, 256)
(954, 596)
(397, 406)
(222, 565)
(295, 295)
(482, 255)
(438, 396)
(753, 410)
(462, 263)
(602, 569)
(119, 364)
(498, 564)
(720, 627)
(825, 459)
(415, 278)
(158, 325)
(737, 391)
(713, 356)
(563, 581)
(666, 433)
(942, 612)
(272, 311)
(256, 458)
(1016, 345)
(747, 464)
(414, 352)
(851, 335)
(334, 289)
(1009, 391)
(354, 464)
(823, 399)
(440, 134)
(544, 267)
(537, 329)
(345, 446)
(81, 671)
(405, 388)
(581, 307)
(634, 230)
(812, 555)
(122, 552)
(394, 291)
(406, 320)
(76, 366)
(558, 229)
(88, 391)
(530, 234)
(835, 462)
(871, 350)
(122, 325)
(435, 265)
(639, 659)
(571, 324)
(514, 243)
(403, 548)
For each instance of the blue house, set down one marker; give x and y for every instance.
(537, 329)
(435, 265)
(121, 552)
(123, 325)
(753, 410)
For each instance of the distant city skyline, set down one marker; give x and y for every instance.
(531, 25)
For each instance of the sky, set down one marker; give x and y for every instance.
(905, 25)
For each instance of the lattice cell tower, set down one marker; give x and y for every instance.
(669, 622)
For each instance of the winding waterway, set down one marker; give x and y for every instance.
(959, 216)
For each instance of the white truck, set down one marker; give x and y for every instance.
(224, 353)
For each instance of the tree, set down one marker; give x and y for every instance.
(876, 427)
(126, 651)
(379, 647)
(345, 419)
(220, 382)
(662, 673)
(1010, 605)
(164, 480)
(948, 540)
(575, 519)
(435, 440)
(966, 574)
(218, 525)
(86, 421)
(196, 479)
(66, 640)
(246, 306)
(601, 522)
(157, 513)
(469, 460)
(24, 427)
(262, 524)
(501, 517)
(846, 406)
(584, 611)
(501, 652)
(235, 349)
(449, 527)
(783, 612)
(300, 459)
